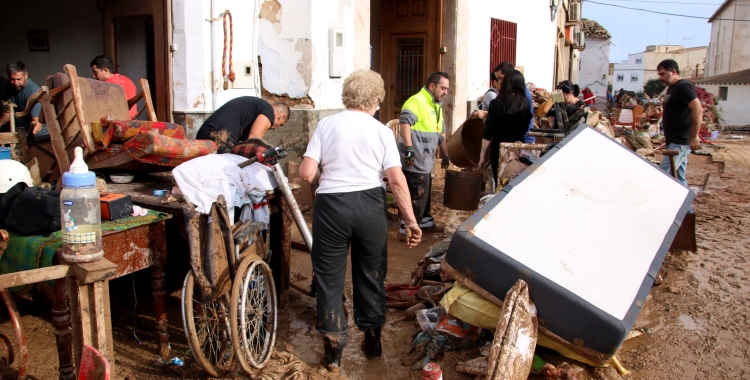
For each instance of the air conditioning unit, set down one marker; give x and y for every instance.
(574, 12)
(579, 40)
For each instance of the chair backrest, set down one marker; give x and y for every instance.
(97, 99)
(625, 116)
(395, 127)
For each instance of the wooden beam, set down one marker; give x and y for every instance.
(9, 138)
(78, 105)
(148, 104)
(98, 270)
(35, 275)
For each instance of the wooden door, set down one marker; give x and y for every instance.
(160, 12)
(410, 50)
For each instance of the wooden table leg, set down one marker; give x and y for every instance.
(160, 308)
(157, 237)
(63, 336)
(89, 300)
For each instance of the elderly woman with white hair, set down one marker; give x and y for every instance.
(348, 153)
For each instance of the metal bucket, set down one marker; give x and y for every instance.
(462, 190)
(465, 144)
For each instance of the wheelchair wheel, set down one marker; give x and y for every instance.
(206, 330)
(253, 313)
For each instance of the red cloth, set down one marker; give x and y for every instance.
(118, 131)
(154, 148)
(129, 87)
(588, 97)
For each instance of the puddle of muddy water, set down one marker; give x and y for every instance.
(688, 323)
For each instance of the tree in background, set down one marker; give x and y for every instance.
(653, 87)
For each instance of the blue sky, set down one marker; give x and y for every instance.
(633, 30)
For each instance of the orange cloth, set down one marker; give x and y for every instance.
(129, 87)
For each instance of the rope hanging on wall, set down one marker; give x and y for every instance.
(224, 52)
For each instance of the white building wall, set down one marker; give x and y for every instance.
(199, 44)
(595, 65)
(633, 66)
(734, 109)
(292, 42)
(729, 50)
(535, 42)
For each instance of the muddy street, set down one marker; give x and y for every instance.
(695, 324)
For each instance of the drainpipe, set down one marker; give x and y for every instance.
(215, 62)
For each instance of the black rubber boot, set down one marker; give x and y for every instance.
(332, 357)
(371, 344)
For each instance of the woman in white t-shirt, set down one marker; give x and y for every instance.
(353, 151)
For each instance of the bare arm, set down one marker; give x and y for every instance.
(308, 170)
(697, 118)
(444, 146)
(259, 127)
(400, 190)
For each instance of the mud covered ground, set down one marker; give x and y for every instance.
(695, 325)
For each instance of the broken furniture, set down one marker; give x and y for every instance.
(16, 139)
(129, 244)
(587, 228)
(9, 354)
(70, 103)
(228, 272)
(280, 225)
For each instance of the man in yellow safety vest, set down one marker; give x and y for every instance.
(422, 131)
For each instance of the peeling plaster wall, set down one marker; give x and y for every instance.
(293, 45)
(292, 42)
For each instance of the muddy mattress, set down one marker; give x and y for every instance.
(587, 227)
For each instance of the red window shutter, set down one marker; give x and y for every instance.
(502, 42)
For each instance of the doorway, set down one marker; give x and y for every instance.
(135, 36)
(409, 48)
(134, 52)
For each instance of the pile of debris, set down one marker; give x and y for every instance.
(452, 317)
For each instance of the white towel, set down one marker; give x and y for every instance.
(202, 179)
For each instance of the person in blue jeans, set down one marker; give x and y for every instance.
(682, 117)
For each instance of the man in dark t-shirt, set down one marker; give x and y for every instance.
(241, 119)
(17, 90)
(682, 117)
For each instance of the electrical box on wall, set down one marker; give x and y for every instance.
(244, 74)
(335, 53)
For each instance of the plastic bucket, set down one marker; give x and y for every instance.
(5, 153)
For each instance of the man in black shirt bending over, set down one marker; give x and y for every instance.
(682, 117)
(241, 119)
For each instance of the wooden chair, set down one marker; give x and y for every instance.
(628, 117)
(16, 139)
(69, 103)
(395, 127)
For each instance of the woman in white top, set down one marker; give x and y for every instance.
(354, 150)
